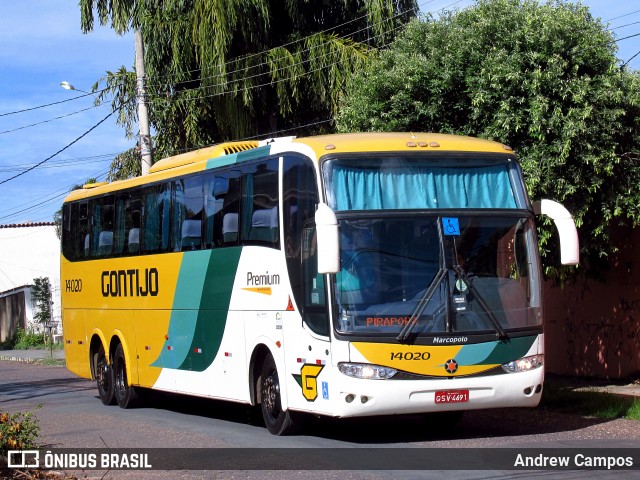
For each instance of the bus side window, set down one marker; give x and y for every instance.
(299, 200)
(314, 310)
(103, 224)
(156, 203)
(229, 184)
(132, 217)
(83, 239)
(212, 205)
(188, 206)
(67, 238)
(260, 222)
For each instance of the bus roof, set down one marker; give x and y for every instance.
(321, 145)
(395, 141)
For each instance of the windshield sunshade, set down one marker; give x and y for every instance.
(390, 184)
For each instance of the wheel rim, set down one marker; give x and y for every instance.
(271, 395)
(102, 373)
(121, 381)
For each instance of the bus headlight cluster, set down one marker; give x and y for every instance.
(366, 370)
(524, 364)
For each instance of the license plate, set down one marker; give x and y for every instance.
(452, 396)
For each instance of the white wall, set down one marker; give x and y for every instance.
(28, 252)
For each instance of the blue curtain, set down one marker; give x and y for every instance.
(412, 187)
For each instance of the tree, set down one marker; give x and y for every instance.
(542, 78)
(41, 293)
(242, 68)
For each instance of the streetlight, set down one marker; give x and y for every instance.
(67, 86)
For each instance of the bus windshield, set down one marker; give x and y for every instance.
(479, 277)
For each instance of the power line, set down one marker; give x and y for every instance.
(59, 151)
(47, 121)
(634, 56)
(46, 202)
(624, 15)
(46, 105)
(61, 163)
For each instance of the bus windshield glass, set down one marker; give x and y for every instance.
(433, 244)
(482, 278)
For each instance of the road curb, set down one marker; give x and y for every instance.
(34, 360)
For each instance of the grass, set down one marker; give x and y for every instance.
(589, 402)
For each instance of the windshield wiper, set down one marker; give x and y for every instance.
(500, 333)
(422, 304)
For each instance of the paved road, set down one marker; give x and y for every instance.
(72, 416)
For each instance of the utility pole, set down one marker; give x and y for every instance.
(143, 115)
(50, 324)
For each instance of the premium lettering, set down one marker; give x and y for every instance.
(260, 280)
(130, 283)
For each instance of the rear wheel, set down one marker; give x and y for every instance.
(104, 377)
(125, 394)
(277, 421)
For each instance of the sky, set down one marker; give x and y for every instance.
(42, 45)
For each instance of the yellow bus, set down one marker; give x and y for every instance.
(343, 275)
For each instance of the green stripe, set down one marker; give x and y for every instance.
(217, 288)
(200, 306)
(510, 350)
(239, 157)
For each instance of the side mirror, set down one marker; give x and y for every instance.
(328, 242)
(569, 243)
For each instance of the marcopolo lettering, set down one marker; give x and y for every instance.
(450, 339)
(262, 279)
(130, 283)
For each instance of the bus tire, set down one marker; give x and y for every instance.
(277, 421)
(125, 394)
(104, 377)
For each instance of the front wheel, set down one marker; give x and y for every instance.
(125, 394)
(104, 377)
(277, 421)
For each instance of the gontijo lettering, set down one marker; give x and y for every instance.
(130, 283)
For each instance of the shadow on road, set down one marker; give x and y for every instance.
(504, 422)
(30, 389)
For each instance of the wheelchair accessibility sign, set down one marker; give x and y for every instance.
(450, 226)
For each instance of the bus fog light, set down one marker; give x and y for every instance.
(364, 399)
(524, 364)
(367, 371)
(349, 398)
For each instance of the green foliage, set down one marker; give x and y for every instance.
(41, 294)
(125, 165)
(24, 340)
(219, 71)
(542, 78)
(18, 431)
(590, 403)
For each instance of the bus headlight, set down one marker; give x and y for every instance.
(366, 370)
(524, 364)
